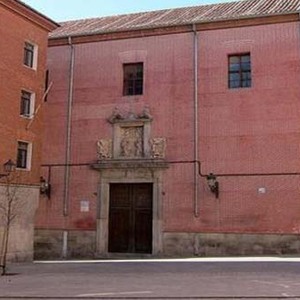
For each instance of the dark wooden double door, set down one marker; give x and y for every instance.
(130, 218)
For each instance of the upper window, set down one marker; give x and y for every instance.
(30, 55)
(27, 104)
(23, 155)
(239, 71)
(133, 79)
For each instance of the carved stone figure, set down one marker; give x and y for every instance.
(145, 114)
(131, 116)
(104, 149)
(116, 115)
(158, 147)
(131, 141)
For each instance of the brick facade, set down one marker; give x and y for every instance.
(20, 24)
(248, 137)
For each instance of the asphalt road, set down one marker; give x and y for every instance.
(153, 280)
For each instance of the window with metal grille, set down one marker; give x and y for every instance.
(22, 155)
(133, 79)
(28, 55)
(239, 71)
(26, 103)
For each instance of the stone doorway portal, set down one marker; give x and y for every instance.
(131, 164)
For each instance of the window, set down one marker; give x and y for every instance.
(30, 55)
(27, 104)
(133, 79)
(23, 155)
(239, 71)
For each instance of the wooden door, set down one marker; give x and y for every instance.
(130, 218)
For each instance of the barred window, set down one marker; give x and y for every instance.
(239, 71)
(133, 79)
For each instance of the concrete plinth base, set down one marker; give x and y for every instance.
(59, 244)
(229, 244)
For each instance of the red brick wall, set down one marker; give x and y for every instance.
(245, 131)
(14, 76)
(253, 130)
(97, 90)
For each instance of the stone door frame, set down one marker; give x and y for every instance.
(108, 176)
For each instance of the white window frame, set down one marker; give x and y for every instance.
(31, 105)
(35, 55)
(28, 155)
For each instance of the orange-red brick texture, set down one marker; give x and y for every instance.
(15, 29)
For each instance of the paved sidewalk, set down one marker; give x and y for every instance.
(200, 278)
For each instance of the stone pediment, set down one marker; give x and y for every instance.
(131, 139)
(127, 117)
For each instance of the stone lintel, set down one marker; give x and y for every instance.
(131, 164)
(129, 120)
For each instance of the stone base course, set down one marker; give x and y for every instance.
(229, 244)
(82, 244)
(48, 244)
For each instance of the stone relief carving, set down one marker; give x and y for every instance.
(118, 116)
(131, 137)
(104, 149)
(131, 145)
(158, 147)
(145, 114)
(131, 141)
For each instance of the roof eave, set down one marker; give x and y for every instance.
(199, 24)
(30, 14)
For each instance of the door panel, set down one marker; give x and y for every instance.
(130, 218)
(143, 231)
(119, 230)
(142, 194)
(119, 195)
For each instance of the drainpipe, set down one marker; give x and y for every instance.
(68, 143)
(68, 130)
(196, 129)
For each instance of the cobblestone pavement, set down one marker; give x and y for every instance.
(251, 278)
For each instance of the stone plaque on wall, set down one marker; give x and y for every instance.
(84, 206)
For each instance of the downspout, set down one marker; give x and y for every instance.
(68, 146)
(68, 130)
(196, 129)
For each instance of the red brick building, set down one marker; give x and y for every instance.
(145, 106)
(23, 49)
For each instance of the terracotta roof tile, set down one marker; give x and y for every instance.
(178, 16)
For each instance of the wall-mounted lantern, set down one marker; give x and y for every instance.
(8, 167)
(45, 187)
(213, 184)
